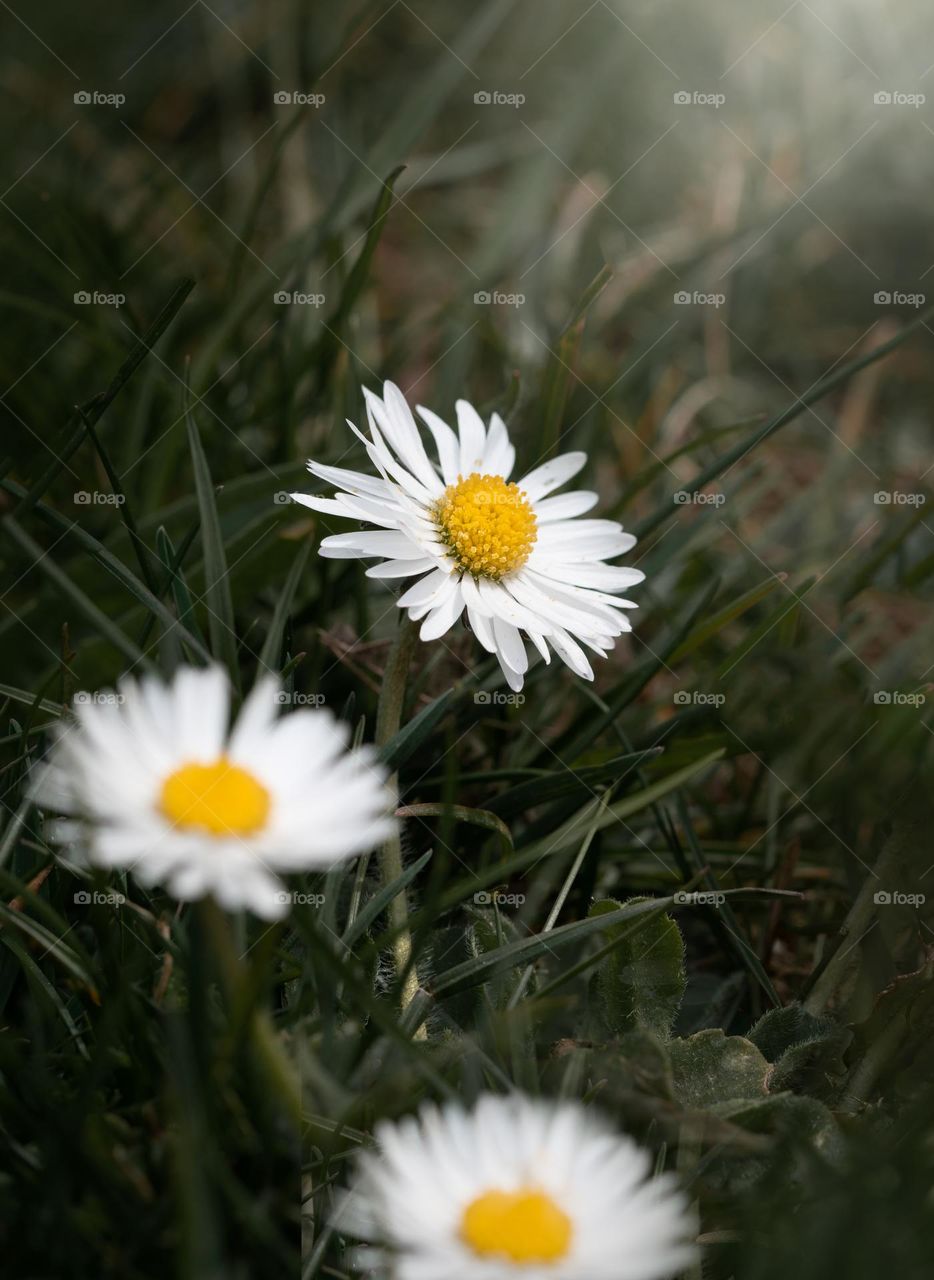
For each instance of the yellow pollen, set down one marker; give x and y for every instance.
(487, 525)
(524, 1226)
(220, 798)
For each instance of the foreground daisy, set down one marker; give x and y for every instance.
(156, 782)
(517, 561)
(516, 1188)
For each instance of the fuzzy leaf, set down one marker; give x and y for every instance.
(641, 982)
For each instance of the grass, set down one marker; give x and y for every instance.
(764, 738)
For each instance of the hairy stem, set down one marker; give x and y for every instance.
(388, 721)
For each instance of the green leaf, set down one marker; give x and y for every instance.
(723, 617)
(272, 645)
(411, 736)
(460, 813)
(217, 593)
(710, 1067)
(641, 983)
(572, 831)
(99, 620)
(381, 900)
(556, 786)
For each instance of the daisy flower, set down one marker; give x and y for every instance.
(516, 561)
(516, 1188)
(155, 780)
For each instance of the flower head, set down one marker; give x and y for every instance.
(155, 780)
(518, 562)
(515, 1188)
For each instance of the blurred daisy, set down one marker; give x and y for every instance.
(516, 560)
(515, 1188)
(156, 782)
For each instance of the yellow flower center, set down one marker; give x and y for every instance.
(220, 798)
(523, 1226)
(487, 525)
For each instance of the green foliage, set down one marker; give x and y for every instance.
(770, 1043)
(641, 982)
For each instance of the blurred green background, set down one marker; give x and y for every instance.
(641, 229)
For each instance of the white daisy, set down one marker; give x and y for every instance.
(515, 1188)
(515, 559)
(156, 781)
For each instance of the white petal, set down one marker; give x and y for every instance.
(499, 456)
(551, 475)
(444, 614)
(446, 442)
(565, 506)
(430, 590)
(472, 437)
(509, 645)
(571, 653)
(366, 543)
(400, 568)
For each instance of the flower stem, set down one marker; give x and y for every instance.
(266, 1043)
(388, 720)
